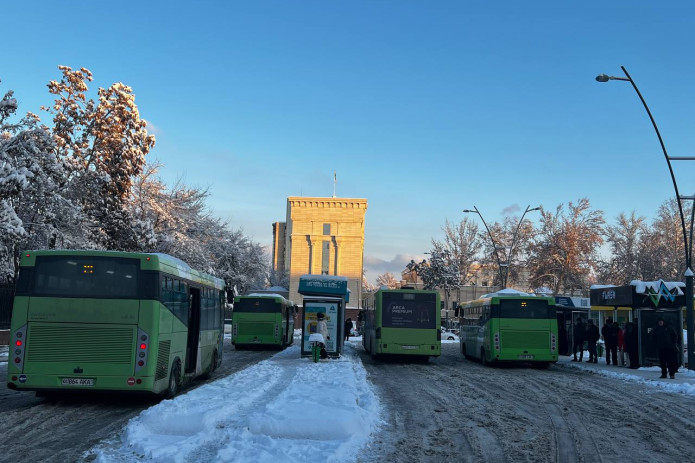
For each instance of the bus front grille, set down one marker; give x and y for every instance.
(256, 328)
(84, 344)
(525, 340)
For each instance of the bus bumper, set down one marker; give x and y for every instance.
(57, 383)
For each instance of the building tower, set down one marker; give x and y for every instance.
(322, 236)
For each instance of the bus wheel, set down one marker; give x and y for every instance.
(483, 360)
(173, 388)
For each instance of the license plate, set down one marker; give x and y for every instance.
(409, 347)
(526, 357)
(77, 381)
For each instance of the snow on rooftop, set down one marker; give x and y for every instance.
(268, 295)
(641, 286)
(507, 292)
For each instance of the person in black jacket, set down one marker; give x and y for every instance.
(592, 335)
(631, 344)
(347, 328)
(578, 338)
(667, 343)
(610, 337)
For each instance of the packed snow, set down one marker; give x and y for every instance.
(286, 408)
(646, 375)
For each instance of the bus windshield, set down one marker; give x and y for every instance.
(526, 308)
(257, 305)
(409, 310)
(86, 276)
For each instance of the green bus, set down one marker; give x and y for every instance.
(403, 322)
(263, 320)
(512, 327)
(113, 321)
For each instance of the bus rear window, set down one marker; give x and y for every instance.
(409, 310)
(86, 276)
(257, 305)
(526, 308)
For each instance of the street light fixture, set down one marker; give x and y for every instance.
(508, 252)
(687, 240)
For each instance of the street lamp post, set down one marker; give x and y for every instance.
(508, 253)
(687, 237)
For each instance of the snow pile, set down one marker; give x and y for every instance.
(666, 385)
(284, 409)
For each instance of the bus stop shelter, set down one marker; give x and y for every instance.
(329, 295)
(642, 302)
(568, 309)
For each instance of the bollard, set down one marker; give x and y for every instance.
(315, 352)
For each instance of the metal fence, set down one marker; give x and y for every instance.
(6, 296)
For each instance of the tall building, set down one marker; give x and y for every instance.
(279, 247)
(322, 236)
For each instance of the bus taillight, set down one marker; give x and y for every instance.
(142, 350)
(553, 344)
(277, 330)
(497, 341)
(18, 336)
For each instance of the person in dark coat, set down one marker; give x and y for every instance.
(592, 336)
(578, 338)
(667, 343)
(631, 344)
(348, 327)
(610, 337)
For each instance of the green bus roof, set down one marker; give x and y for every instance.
(148, 261)
(277, 297)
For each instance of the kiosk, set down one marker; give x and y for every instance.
(327, 295)
(643, 302)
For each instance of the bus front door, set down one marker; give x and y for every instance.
(193, 330)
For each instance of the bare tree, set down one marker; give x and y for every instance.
(625, 240)
(565, 249)
(387, 279)
(103, 145)
(662, 253)
(508, 244)
(463, 243)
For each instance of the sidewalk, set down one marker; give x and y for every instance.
(683, 383)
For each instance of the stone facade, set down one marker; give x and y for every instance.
(324, 236)
(279, 247)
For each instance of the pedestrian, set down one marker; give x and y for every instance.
(348, 328)
(322, 329)
(667, 343)
(610, 338)
(578, 338)
(631, 344)
(621, 347)
(592, 336)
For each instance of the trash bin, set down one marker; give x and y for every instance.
(316, 341)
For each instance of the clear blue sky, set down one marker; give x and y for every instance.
(423, 108)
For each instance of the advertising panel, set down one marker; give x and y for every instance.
(407, 310)
(330, 311)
